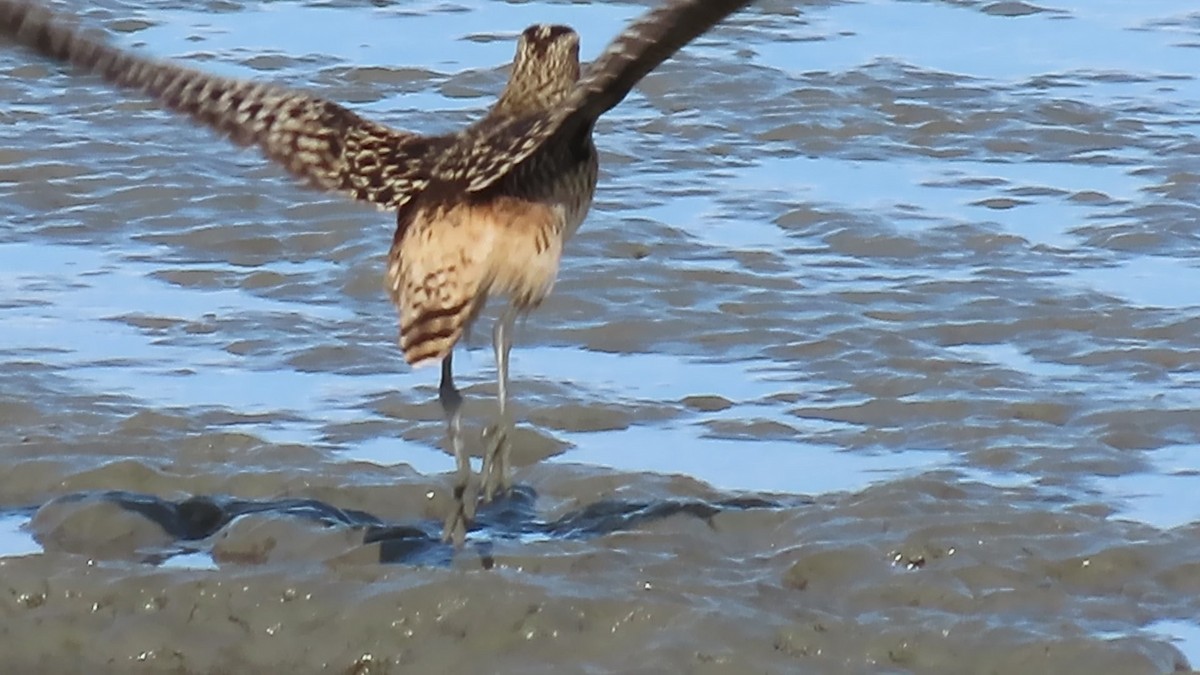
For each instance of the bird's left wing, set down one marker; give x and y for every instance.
(319, 141)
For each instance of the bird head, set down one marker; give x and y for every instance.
(545, 69)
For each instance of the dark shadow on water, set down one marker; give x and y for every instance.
(612, 516)
(190, 521)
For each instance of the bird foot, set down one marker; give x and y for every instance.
(495, 473)
(462, 512)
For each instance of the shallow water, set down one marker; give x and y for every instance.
(878, 352)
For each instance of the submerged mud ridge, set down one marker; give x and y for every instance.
(152, 530)
(876, 354)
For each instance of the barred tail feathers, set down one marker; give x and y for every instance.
(437, 277)
(447, 260)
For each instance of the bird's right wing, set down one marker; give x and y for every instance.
(639, 49)
(316, 140)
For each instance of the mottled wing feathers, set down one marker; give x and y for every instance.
(640, 48)
(486, 152)
(318, 141)
(646, 43)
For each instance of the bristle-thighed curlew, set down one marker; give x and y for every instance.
(481, 212)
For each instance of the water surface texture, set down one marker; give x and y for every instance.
(879, 352)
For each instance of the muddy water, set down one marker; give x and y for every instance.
(879, 352)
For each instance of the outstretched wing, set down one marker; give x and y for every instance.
(646, 43)
(318, 141)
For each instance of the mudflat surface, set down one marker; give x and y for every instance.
(878, 353)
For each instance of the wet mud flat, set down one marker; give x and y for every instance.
(323, 565)
(602, 572)
(876, 354)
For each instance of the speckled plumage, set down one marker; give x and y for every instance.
(480, 212)
(455, 247)
(321, 142)
(534, 143)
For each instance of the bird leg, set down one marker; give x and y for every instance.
(463, 510)
(496, 460)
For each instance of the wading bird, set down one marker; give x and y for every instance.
(481, 212)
